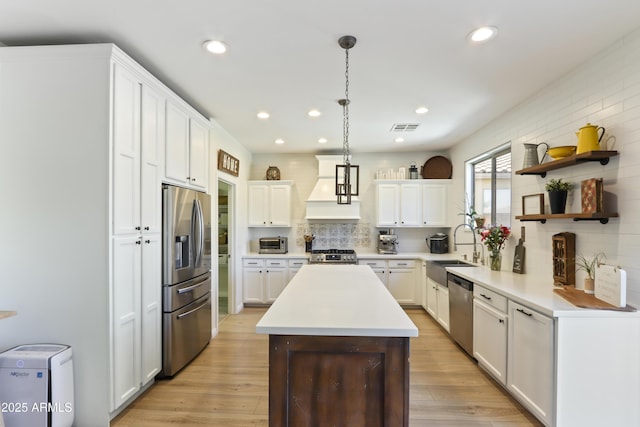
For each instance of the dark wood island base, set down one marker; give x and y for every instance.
(338, 381)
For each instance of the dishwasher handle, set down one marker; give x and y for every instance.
(464, 283)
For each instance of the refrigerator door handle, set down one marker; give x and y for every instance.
(197, 231)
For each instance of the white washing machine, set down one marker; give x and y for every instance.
(36, 386)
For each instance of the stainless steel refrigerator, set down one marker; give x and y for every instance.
(186, 277)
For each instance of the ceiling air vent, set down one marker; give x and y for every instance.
(404, 127)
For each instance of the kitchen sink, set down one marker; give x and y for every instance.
(436, 268)
(452, 262)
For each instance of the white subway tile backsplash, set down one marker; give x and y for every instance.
(604, 91)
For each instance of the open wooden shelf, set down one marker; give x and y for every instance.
(601, 156)
(596, 216)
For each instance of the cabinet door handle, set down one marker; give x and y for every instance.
(147, 241)
(138, 242)
(147, 228)
(501, 320)
(485, 297)
(524, 312)
(138, 228)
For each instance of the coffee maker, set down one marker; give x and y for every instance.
(387, 242)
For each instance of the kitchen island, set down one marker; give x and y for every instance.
(338, 350)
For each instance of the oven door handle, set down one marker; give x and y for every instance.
(180, 316)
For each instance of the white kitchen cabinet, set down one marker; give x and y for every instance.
(403, 280)
(126, 312)
(379, 266)
(387, 205)
(187, 142)
(252, 281)
(264, 279)
(276, 278)
(151, 307)
(269, 203)
(434, 204)
(294, 267)
(530, 360)
(442, 314)
(412, 203)
(490, 332)
(136, 306)
(438, 302)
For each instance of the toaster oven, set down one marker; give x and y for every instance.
(273, 245)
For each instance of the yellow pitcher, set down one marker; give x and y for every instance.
(588, 139)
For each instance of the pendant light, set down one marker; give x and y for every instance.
(347, 175)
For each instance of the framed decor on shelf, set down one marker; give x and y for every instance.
(591, 194)
(533, 204)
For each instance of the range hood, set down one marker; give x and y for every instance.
(322, 203)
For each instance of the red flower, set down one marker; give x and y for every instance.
(495, 237)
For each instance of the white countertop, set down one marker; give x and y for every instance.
(531, 290)
(336, 300)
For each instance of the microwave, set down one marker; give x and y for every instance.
(273, 245)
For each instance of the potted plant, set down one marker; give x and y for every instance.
(475, 219)
(558, 191)
(588, 265)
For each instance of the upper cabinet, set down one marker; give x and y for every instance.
(187, 148)
(411, 203)
(269, 203)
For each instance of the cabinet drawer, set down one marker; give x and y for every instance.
(276, 262)
(402, 263)
(490, 298)
(297, 263)
(373, 263)
(253, 262)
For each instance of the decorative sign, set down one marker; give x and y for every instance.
(611, 285)
(227, 163)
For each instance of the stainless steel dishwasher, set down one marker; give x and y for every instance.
(461, 311)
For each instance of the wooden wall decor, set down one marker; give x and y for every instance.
(564, 259)
(227, 163)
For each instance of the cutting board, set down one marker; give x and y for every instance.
(611, 285)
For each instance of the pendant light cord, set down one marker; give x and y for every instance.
(345, 111)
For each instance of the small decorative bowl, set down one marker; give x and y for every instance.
(562, 151)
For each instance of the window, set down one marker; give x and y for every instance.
(488, 185)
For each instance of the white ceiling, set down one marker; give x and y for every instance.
(283, 57)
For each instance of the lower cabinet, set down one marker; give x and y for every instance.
(490, 332)
(438, 302)
(294, 267)
(403, 280)
(136, 311)
(530, 377)
(264, 279)
(400, 276)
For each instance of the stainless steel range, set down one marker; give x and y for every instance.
(333, 256)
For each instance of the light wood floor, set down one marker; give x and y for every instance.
(227, 385)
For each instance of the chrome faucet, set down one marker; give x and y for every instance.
(476, 254)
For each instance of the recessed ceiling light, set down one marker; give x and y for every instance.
(314, 113)
(483, 34)
(263, 115)
(322, 141)
(215, 46)
(279, 141)
(399, 140)
(422, 110)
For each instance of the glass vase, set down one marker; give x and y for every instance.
(495, 260)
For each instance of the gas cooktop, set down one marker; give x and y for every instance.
(333, 256)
